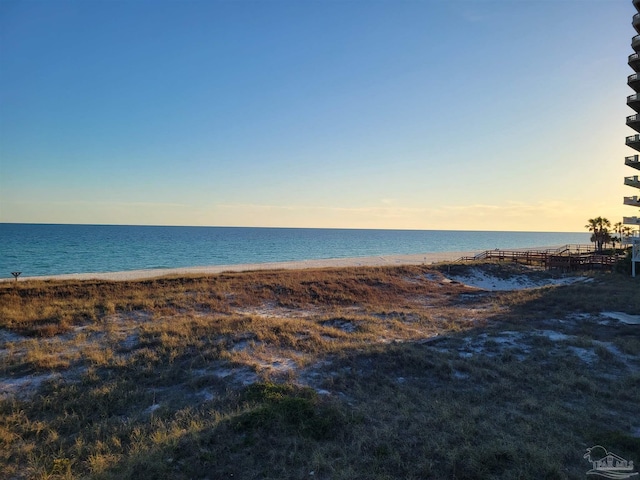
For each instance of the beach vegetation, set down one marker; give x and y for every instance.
(338, 373)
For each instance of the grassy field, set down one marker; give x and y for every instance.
(353, 373)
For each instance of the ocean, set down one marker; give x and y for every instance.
(38, 249)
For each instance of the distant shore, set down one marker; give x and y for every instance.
(376, 261)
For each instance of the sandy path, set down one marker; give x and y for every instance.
(416, 259)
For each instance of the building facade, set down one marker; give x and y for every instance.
(633, 141)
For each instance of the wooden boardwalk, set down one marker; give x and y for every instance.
(567, 257)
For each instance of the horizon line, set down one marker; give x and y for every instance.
(284, 227)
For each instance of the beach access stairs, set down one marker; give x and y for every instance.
(566, 257)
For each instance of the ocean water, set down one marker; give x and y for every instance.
(36, 249)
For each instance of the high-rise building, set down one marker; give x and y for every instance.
(633, 141)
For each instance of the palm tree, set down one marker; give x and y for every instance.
(623, 232)
(615, 240)
(600, 228)
(617, 227)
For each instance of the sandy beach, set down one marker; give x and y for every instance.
(415, 259)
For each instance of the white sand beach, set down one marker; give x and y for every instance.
(415, 259)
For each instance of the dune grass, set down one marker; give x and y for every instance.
(354, 373)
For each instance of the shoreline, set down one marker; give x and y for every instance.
(371, 261)
(375, 261)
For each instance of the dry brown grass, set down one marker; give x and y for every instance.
(347, 373)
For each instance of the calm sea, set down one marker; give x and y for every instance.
(36, 249)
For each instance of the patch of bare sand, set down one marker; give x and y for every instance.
(23, 387)
(478, 278)
(623, 317)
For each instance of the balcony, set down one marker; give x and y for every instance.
(636, 3)
(636, 22)
(635, 43)
(631, 220)
(633, 161)
(634, 102)
(634, 142)
(632, 181)
(634, 61)
(634, 81)
(633, 121)
(632, 201)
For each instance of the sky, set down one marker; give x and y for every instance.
(403, 114)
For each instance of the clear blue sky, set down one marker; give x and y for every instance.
(427, 114)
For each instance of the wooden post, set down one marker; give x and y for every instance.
(16, 275)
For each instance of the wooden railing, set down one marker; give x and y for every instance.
(531, 253)
(568, 257)
(582, 262)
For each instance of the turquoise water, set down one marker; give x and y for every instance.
(36, 249)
